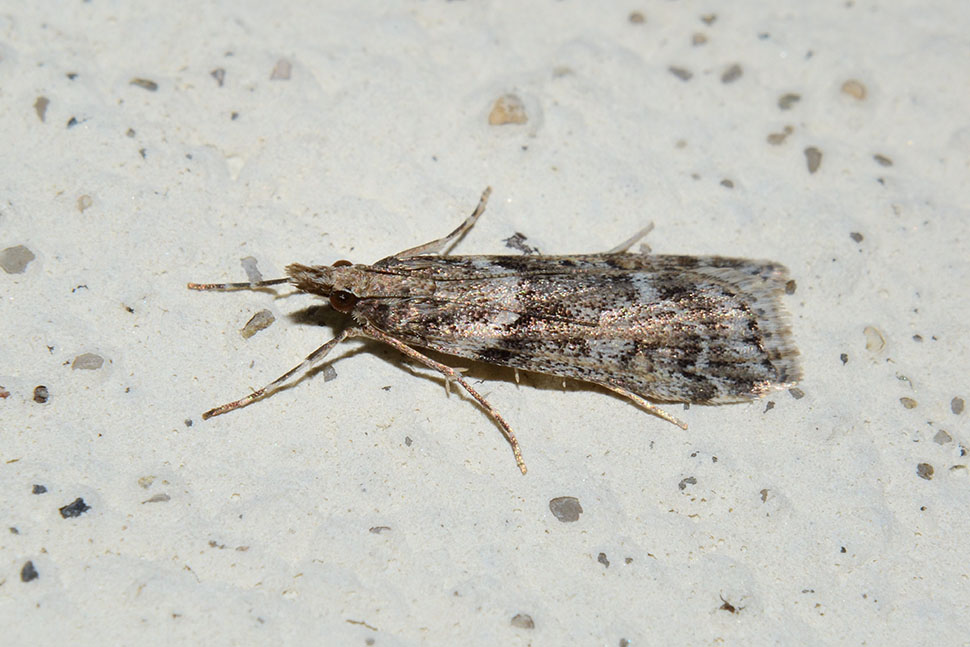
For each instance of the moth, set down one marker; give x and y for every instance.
(692, 329)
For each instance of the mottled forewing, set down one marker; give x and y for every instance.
(679, 328)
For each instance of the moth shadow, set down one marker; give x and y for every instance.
(323, 317)
(479, 374)
(318, 315)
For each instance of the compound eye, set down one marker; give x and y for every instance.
(343, 301)
(342, 264)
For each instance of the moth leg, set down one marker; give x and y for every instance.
(652, 408)
(310, 360)
(436, 246)
(448, 380)
(452, 375)
(625, 246)
(236, 286)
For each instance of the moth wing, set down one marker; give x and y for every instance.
(675, 328)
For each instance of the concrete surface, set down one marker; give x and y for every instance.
(146, 145)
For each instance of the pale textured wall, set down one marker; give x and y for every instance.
(812, 519)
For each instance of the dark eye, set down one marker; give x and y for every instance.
(342, 264)
(343, 301)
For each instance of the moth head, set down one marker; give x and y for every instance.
(325, 281)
